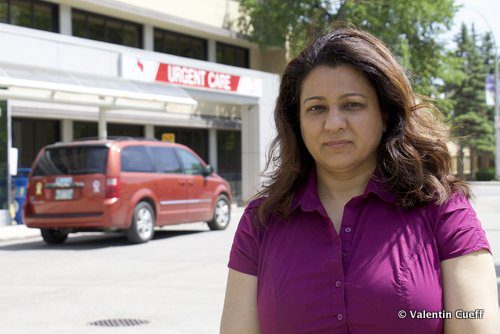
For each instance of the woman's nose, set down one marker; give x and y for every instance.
(335, 120)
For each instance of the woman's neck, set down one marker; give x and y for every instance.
(342, 186)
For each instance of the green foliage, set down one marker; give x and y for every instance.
(411, 29)
(474, 130)
(487, 51)
(270, 23)
(471, 118)
(486, 174)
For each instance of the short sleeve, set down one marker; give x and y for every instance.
(458, 231)
(244, 255)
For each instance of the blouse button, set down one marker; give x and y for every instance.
(338, 284)
(348, 230)
(339, 316)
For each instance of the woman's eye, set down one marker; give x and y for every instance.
(316, 108)
(353, 105)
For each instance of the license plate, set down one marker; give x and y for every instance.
(64, 181)
(64, 194)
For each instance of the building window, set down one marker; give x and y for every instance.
(125, 130)
(106, 29)
(195, 139)
(180, 44)
(30, 135)
(229, 159)
(90, 130)
(84, 130)
(232, 55)
(30, 13)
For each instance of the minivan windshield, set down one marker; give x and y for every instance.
(72, 160)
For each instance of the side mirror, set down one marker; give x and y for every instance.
(207, 170)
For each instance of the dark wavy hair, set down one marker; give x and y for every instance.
(412, 155)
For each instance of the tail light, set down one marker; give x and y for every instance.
(112, 187)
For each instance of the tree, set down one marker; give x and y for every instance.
(283, 23)
(409, 28)
(472, 125)
(487, 51)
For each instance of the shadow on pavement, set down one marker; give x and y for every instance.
(92, 241)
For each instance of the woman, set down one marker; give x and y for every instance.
(362, 227)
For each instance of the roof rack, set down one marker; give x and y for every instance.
(116, 138)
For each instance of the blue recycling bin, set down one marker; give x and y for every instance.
(20, 185)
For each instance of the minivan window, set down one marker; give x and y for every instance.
(191, 164)
(136, 159)
(165, 160)
(72, 160)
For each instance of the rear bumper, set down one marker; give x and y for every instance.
(113, 216)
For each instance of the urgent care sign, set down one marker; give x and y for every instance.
(147, 70)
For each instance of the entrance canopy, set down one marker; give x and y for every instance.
(36, 84)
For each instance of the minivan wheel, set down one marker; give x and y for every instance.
(143, 224)
(222, 214)
(54, 236)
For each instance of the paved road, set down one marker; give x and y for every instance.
(487, 205)
(176, 282)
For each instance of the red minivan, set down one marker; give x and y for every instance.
(125, 185)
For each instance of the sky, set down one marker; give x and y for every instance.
(485, 14)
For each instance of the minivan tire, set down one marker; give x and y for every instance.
(142, 228)
(222, 214)
(53, 236)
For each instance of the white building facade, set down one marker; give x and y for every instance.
(71, 69)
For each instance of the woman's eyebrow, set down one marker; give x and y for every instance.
(313, 98)
(352, 94)
(340, 97)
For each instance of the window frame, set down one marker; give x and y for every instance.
(178, 36)
(224, 46)
(148, 155)
(123, 23)
(81, 150)
(53, 8)
(202, 164)
(157, 167)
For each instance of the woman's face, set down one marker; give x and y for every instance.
(340, 119)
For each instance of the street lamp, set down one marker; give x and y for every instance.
(497, 115)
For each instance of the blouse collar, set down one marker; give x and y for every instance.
(307, 196)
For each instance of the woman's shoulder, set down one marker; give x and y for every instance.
(454, 208)
(456, 200)
(254, 203)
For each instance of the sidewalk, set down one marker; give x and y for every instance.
(16, 232)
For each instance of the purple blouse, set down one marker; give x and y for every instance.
(386, 259)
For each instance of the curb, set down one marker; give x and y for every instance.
(17, 232)
(20, 231)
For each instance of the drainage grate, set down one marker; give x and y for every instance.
(118, 322)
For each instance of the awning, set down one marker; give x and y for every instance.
(37, 84)
(227, 98)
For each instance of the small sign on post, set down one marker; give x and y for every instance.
(168, 137)
(490, 90)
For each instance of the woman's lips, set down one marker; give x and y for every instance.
(337, 143)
